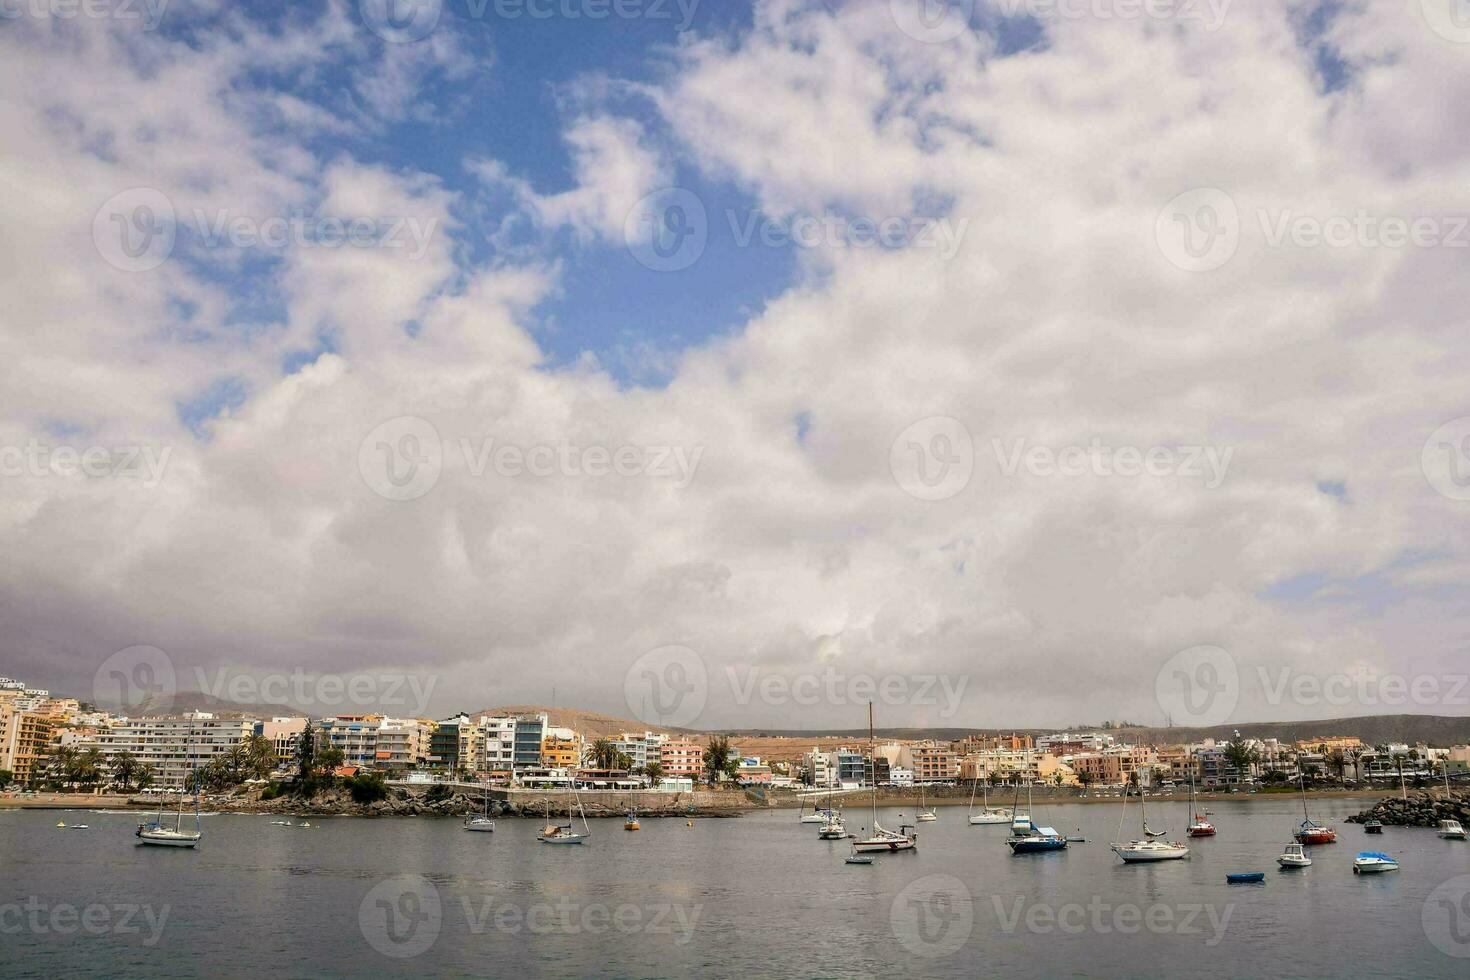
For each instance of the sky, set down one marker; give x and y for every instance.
(1000, 362)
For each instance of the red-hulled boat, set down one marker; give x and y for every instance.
(1311, 832)
(1200, 827)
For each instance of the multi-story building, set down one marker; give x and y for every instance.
(403, 744)
(560, 752)
(530, 730)
(817, 768)
(934, 763)
(640, 747)
(681, 758)
(1115, 766)
(444, 742)
(355, 735)
(25, 737)
(753, 772)
(172, 747)
(284, 734)
(497, 738)
(850, 767)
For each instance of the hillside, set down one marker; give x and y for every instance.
(591, 724)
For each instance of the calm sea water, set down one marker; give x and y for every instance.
(756, 896)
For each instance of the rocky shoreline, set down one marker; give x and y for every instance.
(403, 803)
(1420, 810)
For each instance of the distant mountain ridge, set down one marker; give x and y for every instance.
(1371, 729)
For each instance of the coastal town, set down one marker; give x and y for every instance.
(59, 743)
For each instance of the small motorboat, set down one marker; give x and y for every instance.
(1295, 856)
(1373, 827)
(1076, 839)
(282, 823)
(856, 858)
(1451, 830)
(1246, 877)
(1373, 862)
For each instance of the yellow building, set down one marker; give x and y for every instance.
(25, 738)
(560, 753)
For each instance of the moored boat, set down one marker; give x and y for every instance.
(1245, 877)
(481, 822)
(1147, 850)
(988, 815)
(1311, 832)
(1373, 862)
(1028, 838)
(1373, 827)
(1451, 830)
(1200, 826)
(1295, 856)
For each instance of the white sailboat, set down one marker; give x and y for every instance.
(926, 814)
(155, 834)
(563, 833)
(1148, 849)
(832, 828)
(816, 816)
(883, 839)
(481, 822)
(988, 814)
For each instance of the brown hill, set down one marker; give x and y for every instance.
(591, 724)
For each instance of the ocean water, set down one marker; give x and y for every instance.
(751, 897)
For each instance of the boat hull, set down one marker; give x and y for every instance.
(1246, 878)
(980, 819)
(560, 840)
(1036, 845)
(1315, 837)
(883, 846)
(1150, 855)
(480, 828)
(152, 840)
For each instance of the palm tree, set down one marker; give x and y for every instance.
(1241, 757)
(89, 767)
(605, 754)
(1338, 761)
(718, 760)
(261, 756)
(144, 776)
(125, 768)
(654, 771)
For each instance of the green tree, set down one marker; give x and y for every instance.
(604, 754)
(125, 768)
(144, 777)
(1241, 757)
(1084, 777)
(260, 756)
(306, 753)
(719, 760)
(6, 778)
(654, 771)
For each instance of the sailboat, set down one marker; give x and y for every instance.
(926, 814)
(481, 822)
(1311, 832)
(988, 814)
(832, 828)
(1028, 838)
(816, 816)
(883, 839)
(631, 823)
(1148, 849)
(563, 833)
(1200, 827)
(156, 834)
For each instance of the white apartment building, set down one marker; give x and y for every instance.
(641, 747)
(497, 741)
(173, 747)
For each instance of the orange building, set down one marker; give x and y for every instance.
(681, 758)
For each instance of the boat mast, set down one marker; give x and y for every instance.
(872, 755)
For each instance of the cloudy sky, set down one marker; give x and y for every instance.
(710, 361)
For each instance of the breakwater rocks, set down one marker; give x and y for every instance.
(1419, 810)
(444, 802)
